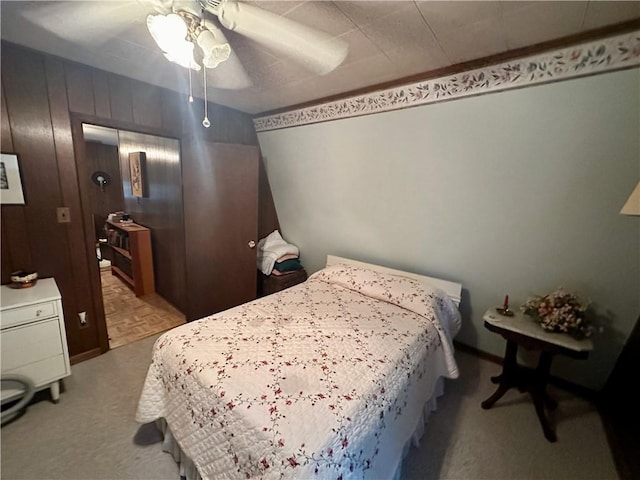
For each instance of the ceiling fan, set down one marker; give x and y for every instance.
(187, 33)
(181, 25)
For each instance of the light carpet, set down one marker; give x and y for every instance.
(92, 433)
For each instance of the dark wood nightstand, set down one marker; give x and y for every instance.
(268, 284)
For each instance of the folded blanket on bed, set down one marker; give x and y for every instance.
(270, 249)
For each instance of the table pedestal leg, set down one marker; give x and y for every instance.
(507, 378)
(539, 394)
(514, 376)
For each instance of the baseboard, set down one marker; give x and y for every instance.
(478, 353)
(81, 357)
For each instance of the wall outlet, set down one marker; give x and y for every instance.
(63, 214)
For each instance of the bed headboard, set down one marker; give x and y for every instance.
(453, 289)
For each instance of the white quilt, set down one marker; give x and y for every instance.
(323, 380)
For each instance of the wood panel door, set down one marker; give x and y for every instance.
(220, 190)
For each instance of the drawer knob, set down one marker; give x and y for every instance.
(38, 313)
(252, 244)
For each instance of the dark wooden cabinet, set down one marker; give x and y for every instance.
(269, 284)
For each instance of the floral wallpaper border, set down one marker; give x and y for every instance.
(604, 55)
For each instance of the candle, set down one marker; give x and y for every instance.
(506, 302)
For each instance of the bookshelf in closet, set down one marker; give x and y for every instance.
(132, 258)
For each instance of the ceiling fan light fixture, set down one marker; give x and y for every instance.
(170, 33)
(167, 30)
(183, 56)
(214, 52)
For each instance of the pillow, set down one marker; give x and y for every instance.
(417, 296)
(404, 292)
(427, 301)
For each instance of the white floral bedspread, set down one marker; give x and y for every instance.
(324, 380)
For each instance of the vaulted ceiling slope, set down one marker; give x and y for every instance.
(388, 41)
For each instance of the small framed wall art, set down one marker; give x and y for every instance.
(10, 180)
(137, 169)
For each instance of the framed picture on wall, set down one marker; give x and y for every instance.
(10, 180)
(137, 169)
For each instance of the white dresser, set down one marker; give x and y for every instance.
(33, 341)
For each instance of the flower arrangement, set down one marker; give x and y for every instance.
(559, 311)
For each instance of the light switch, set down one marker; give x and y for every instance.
(63, 214)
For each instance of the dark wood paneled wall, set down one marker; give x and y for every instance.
(104, 158)
(35, 121)
(44, 101)
(161, 210)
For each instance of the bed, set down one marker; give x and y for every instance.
(331, 379)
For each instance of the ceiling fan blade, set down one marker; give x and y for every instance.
(229, 74)
(318, 51)
(88, 22)
(163, 7)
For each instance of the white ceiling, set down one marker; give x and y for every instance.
(388, 40)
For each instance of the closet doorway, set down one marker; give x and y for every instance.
(106, 158)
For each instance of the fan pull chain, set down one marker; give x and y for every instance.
(206, 123)
(190, 88)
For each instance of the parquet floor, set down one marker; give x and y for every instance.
(131, 318)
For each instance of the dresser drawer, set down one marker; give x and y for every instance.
(33, 340)
(30, 343)
(29, 313)
(41, 373)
